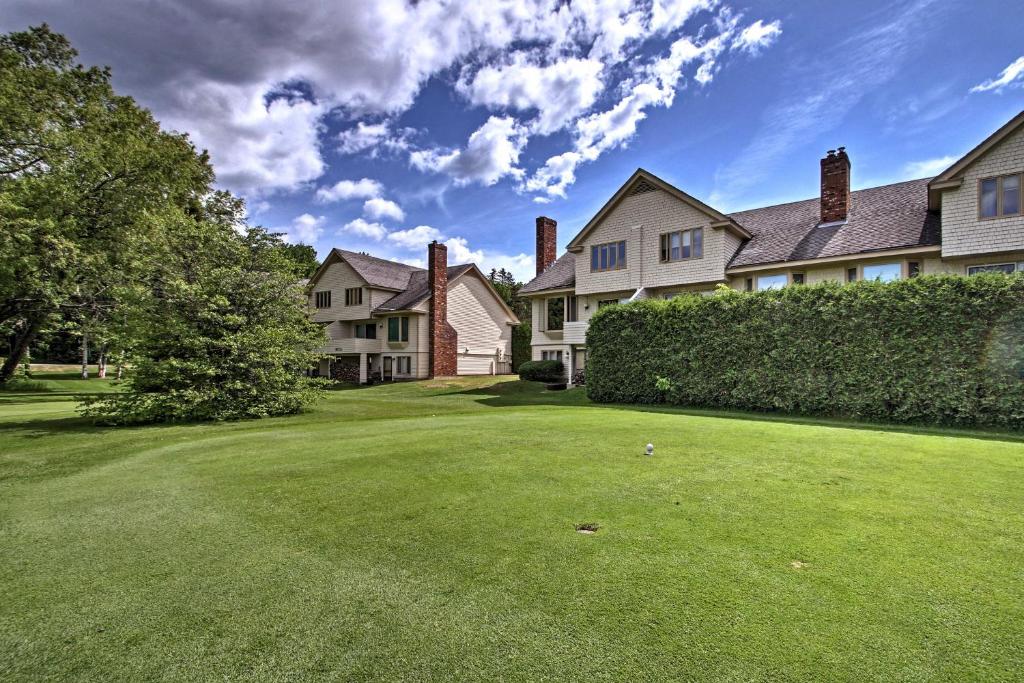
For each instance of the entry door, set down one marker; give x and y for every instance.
(388, 370)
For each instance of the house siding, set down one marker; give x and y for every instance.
(649, 215)
(481, 324)
(336, 278)
(963, 232)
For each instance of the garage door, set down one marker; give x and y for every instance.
(475, 365)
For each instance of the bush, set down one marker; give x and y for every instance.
(936, 349)
(542, 371)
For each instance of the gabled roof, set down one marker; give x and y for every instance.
(417, 292)
(377, 272)
(950, 177)
(641, 178)
(880, 219)
(559, 275)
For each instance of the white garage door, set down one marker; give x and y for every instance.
(475, 365)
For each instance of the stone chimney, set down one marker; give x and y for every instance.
(547, 236)
(835, 186)
(443, 347)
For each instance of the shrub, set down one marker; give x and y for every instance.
(542, 371)
(936, 349)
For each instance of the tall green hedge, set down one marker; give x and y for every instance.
(936, 349)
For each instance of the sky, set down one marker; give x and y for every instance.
(380, 126)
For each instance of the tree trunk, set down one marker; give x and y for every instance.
(85, 356)
(102, 363)
(22, 339)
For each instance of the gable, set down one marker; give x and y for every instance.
(338, 268)
(953, 176)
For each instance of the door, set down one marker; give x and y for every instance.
(388, 369)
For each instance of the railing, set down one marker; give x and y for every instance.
(352, 345)
(574, 333)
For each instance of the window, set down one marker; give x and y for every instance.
(771, 282)
(1008, 268)
(570, 309)
(750, 284)
(555, 313)
(798, 278)
(999, 196)
(611, 256)
(354, 296)
(366, 331)
(883, 272)
(403, 365)
(851, 274)
(606, 302)
(398, 329)
(551, 355)
(323, 299)
(682, 245)
(913, 268)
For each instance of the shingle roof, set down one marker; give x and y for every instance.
(887, 217)
(559, 275)
(417, 291)
(379, 272)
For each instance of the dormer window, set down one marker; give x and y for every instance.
(999, 196)
(682, 245)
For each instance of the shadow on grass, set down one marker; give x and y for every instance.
(519, 393)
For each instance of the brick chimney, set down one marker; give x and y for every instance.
(835, 186)
(547, 236)
(443, 361)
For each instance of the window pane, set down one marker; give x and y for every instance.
(405, 329)
(371, 331)
(675, 246)
(622, 254)
(570, 313)
(698, 243)
(604, 257)
(686, 244)
(1007, 268)
(988, 197)
(556, 313)
(612, 254)
(664, 247)
(885, 272)
(392, 329)
(770, 282)
(851, 274)
(1011, 194)
(593, 258)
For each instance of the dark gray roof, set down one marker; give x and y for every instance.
(379, 272)
(559, 275)
(887, 217)
(417, 290)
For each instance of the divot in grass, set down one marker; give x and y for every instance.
(587, 528)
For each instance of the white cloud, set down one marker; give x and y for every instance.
(364, 228)
(383, 208)
(558, 92)
(669, 15)
(1011, 76)
(350, 189)
(558, 173)
(363, 136)
(415, 238)
(758, 36)
(256, 148)
(305, 229)
(491, 153)
(520, 265)
(927, 167)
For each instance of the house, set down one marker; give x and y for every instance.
(651, 239)
(389, 321)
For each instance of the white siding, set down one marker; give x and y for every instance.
(647, 216)
(481, 323)
(338, 277)
(963, 232)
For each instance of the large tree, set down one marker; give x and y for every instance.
(87, 179)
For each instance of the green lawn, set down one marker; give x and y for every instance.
(426, 531)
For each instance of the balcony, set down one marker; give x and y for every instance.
(351, 345)
(574, 333)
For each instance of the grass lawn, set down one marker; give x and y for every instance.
(426, 531)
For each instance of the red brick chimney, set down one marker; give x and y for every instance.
(547, 236)
(444, 341)
(835, 186)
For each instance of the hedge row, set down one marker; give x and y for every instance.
(935, 349)
(542, 371)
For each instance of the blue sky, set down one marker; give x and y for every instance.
(380, 126)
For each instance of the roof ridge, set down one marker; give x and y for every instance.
(812, 199)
